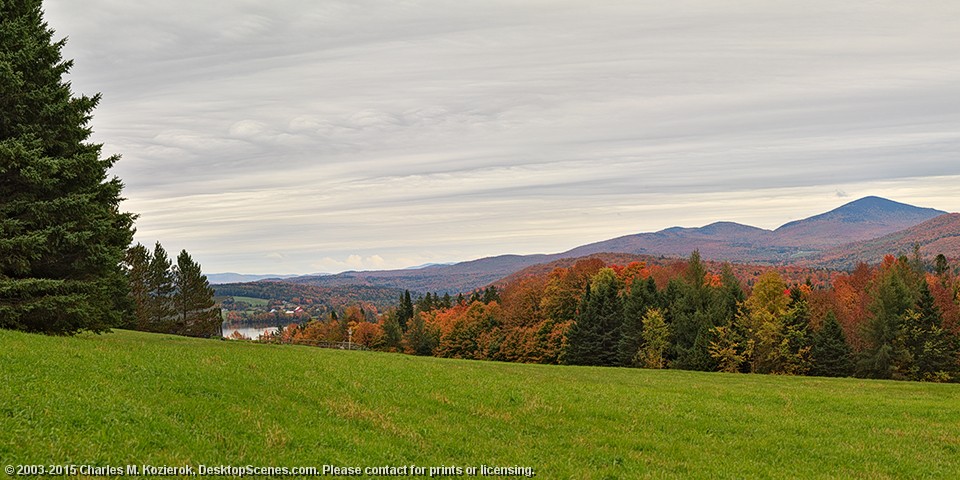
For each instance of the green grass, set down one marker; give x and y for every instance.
(256, 302)
(130, 397)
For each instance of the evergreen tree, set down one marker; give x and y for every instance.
(392, 332)
(891, 298)
(831, 355)
(694, 309)
(797, 343)
(446, 301)
(161, 311)
(137, 263)
(642, 297)
(595, 337)
(932, 352)
(197, 311)
(490, 294)
(420, 338)
(941, 266)
(731, 295)
(405, 310)
(62, 235)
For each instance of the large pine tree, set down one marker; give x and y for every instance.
(62, 235)
(595, 337)
(161, 310)
(197, 311)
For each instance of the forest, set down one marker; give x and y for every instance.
(896, 320)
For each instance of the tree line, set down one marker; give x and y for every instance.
(65, 266)
(168, 297)
(896, 320)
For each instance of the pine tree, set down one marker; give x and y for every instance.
(62, 235)
(932, 352)
(196, 308)
(797, 343)
(446, 301)
(160, 309)
(831, 355)
(694, 309)
(420, 338)
(595, 337)
(392, 333)
(642, 297)
(941, 266)
(891, 298)
(405, 310)
(137, 263)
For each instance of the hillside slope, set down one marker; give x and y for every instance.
(794, 242)
(137, 398)
(460, 277)
(721, 240)
(860, 220)
(936, 236)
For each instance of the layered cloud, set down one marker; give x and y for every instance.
(302, 136)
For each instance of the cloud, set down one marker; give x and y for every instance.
(356, 134)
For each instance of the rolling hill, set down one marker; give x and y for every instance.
(935, 236)
(132, 398)
(802, 241)
(863, 219)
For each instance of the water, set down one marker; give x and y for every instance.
(252, 333)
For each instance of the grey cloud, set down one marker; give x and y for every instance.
(334, 132)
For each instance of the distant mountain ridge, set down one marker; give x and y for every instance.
(806, 241)
(862, 219)
(939, 235)
(231, 277)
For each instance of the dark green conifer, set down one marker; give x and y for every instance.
(595, 337)
(642, 297)
(161, 287)
(831, 355)
(62, 235)
(197, 311)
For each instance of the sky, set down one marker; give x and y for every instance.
(301, 136)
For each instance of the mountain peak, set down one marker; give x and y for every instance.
(861, 219)
(879, 205)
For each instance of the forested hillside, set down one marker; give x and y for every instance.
(896, 320)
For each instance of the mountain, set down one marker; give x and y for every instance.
(459, 277)
(938, 235)
(230, 277)
(863, 219)
(721, 240)
(804, 241)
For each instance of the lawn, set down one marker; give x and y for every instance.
(256, 302)
(137, 398)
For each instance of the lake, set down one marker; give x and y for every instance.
(252, 333)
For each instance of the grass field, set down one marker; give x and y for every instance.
(256, 302)
(136, 398)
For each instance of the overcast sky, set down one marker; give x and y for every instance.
(321, 136)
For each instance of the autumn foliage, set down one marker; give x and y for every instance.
(895, 320)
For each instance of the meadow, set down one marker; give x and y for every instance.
(138, 398)
(256, 302)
